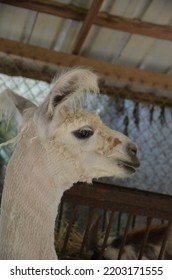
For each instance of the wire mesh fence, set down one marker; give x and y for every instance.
(149, 125)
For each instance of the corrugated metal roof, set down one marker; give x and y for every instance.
(115, 46)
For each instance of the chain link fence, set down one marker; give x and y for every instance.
(149, 125)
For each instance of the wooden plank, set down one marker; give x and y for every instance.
(110, 71)
(145, 97)
(17, 67)
(135, 26)
(103, 19)
(164, 241)
(121, 250)
(41, 64)
(125, 200)
(91, 15)
(148, 227)
(50, 7)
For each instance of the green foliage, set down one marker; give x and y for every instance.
(7, 131)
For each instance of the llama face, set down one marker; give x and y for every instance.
(99, 150)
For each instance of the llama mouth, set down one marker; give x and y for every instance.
(131, 167)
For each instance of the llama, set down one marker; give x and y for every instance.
(58, 144)
(133, 243)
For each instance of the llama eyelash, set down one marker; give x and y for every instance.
(83, 132)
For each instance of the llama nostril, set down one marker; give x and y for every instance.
(132, 149)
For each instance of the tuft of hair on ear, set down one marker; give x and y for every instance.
(71, 87)
(68, 90)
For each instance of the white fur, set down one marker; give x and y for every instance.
(47, 160)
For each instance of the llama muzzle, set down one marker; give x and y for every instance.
(133, 163)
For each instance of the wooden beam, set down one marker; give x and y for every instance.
(20, 67)
(103, 19)
(50, 7)
(135, 26)
(34, 62)
(122, 199)
(92, 13)
(111, 71)
(138, 96)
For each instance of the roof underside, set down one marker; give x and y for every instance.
(60, 34)
(128, 33)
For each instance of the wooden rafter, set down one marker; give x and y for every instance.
(103, 19)
(46, 63)
(110, 71)
(87, 25)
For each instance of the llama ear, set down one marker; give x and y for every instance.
(70, 86)
(13, 105)
(67, 88)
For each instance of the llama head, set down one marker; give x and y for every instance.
(98, 150)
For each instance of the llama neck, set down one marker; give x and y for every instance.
(33, 188)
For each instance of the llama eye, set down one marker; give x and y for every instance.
(83, 133)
